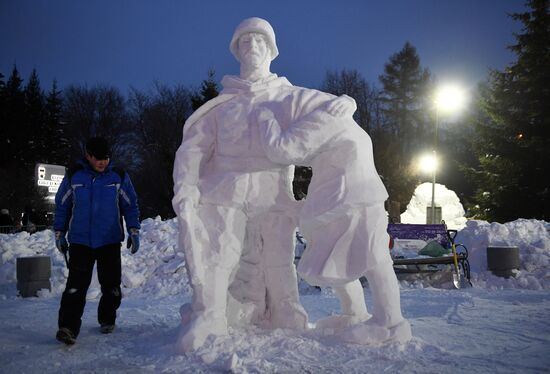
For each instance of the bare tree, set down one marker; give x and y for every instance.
(157, 119)
(352, 83)
(100, 111)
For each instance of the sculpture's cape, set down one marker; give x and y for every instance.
(205, 108)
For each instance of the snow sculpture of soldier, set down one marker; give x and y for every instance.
(343, 218)
(235, 205)
(231, 200)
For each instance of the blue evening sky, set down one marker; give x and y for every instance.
(135, 42)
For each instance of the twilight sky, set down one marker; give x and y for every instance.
(135, 42)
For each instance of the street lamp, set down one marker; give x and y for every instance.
(448, 99)
(427, 163)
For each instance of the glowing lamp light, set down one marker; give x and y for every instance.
(450, 98)
(428, 163)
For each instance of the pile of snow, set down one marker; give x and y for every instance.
(532, 237)
(452, 210)
(158, 269)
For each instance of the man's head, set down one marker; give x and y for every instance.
(254, 26)
(98, 153)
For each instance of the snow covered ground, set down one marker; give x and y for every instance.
(498, 325)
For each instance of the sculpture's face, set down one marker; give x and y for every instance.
(253, 49)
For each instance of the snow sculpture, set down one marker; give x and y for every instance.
(236, 210)
(343, 218)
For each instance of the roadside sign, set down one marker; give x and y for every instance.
(49, 176)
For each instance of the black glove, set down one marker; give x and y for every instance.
(133, 240)
(61, 242)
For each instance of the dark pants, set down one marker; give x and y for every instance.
(81, 266)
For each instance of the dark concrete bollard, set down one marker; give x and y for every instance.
(503, 260)
(33, 274)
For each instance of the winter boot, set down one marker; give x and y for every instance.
(66, 336)
(106, 328)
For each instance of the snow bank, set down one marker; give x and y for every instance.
(158, 269)
(532, 237)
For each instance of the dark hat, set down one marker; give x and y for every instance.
(99, 148)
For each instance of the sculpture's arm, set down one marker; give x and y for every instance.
(308, 135)
(194, 152)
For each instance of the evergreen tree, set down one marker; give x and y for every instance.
(5, 186)
(209, 90)
(2, 85)
(405, 106)
(57, 142)
(17, 185)
(33, 127)
(405, 98)
(12, 139)
(3, 123)
(513, 130)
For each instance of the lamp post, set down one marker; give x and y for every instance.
(448, 99)
(434, 155)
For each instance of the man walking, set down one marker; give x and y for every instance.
(90, 203)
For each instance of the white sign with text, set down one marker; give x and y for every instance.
(49, 176)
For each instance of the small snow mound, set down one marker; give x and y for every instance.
(532, 237)
(452, 210)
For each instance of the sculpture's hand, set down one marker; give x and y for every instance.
(187, 205)
(264, 116)
(186, 195)
(342, 106)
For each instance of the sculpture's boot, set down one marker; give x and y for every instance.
(246, 304)
(247, 291)
(387, 323)
(283, 302)
(208, 314)
(352, 305)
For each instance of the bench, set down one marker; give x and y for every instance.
(418, 235)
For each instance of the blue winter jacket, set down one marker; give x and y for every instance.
(90, 205)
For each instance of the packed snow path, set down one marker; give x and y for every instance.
(472, 330)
